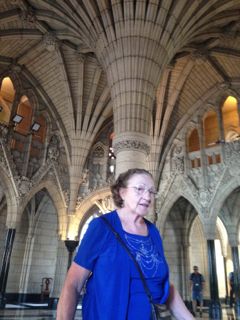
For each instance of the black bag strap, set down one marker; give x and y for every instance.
(118, 237)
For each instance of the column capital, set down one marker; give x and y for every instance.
(131, 141)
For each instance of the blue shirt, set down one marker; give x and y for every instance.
(155, 272)
(197, 281)
(110, 284)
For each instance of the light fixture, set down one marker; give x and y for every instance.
(35, 126)
(17, 119)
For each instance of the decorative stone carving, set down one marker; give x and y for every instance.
(53, 149)
(200, 56)
(50, 41)
(214, 174)
(227, 176)
(98, 152)
(85, 176)
(232, 152)
(81, 57)
(28, 15)
(131, 145)
(23, 184)
(66, 195)
(205, 196)
(15, 67)
(107, 204)
(224, 85)
(178, 159)
(4, 134)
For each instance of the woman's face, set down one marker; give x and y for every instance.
(139, 194)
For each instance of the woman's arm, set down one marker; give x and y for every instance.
(177, 306)
(72, 287)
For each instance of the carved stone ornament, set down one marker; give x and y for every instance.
(215, 173)
(28, 15)
(23, 184)
(98, 152)
(50, 41)
(66, 195)
(53, 149)
(178, 159)
(178, 164)
(232, 153)
(107, 203)
(131, 145)
(81, 57)
(85, 176)
(4, 134)
(205, 195)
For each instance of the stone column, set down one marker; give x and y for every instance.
(60, 274)
(221, 133)
(226, 278)
(202, 151)
(186, 271)
(6, 264)
(236, 268)
(133, 49)
(26, 266)
(215, 311)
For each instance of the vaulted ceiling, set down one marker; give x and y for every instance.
(51, 45)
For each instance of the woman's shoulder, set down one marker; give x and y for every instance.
(111, 217)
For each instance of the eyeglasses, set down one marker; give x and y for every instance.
(141, 190)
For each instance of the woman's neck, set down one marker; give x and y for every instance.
(132, 223)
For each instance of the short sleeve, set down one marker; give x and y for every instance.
(91, 244)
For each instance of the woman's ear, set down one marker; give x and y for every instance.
(122, 192)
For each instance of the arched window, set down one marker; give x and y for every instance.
(193, 148)
(193, 141)
(7, 94)
(38, 136)
(211, 129)
(230, 119)
(24, 110)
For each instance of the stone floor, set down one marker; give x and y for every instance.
(40, 312)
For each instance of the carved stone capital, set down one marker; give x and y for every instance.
(131, 145)
(199, 55)
(50, 41)
(80, 57)
(28, 15)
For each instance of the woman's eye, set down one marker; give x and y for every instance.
(153, 193)
(140, 189)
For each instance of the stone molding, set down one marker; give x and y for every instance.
(131, 145)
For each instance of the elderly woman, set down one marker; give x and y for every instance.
(114, 289)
